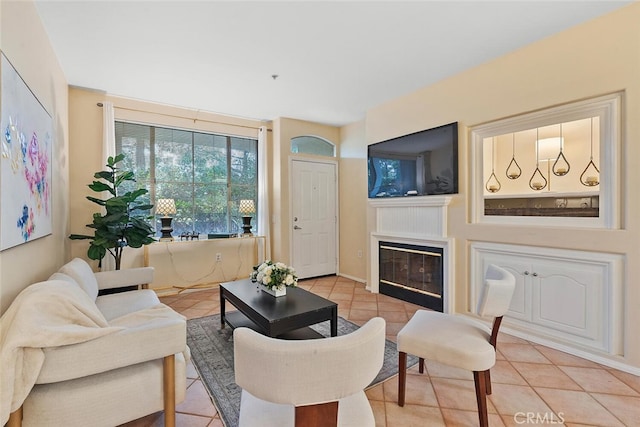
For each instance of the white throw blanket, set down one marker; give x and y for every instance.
(45, 314)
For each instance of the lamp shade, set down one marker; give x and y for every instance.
(549, 148)
(247, 207)
(166, 207)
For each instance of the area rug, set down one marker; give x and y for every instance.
(212, 356)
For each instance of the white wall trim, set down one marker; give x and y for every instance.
(609, 109)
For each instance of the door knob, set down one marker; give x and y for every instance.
(295, 227)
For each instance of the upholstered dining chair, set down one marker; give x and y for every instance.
(310, 383)
(458, 341)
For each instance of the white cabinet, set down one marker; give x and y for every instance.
(573, 297)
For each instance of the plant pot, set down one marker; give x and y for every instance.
(276, 292)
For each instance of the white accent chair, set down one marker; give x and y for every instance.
(459, 341)
(310, 383)
(107, 381)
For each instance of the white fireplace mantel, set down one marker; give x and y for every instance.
(436, 201)
(424, 216)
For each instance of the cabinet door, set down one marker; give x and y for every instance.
(518, 266)
(570, 297)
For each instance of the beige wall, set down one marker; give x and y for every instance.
(599, 57)
(25, 43)
(353, 202)
(283, 130)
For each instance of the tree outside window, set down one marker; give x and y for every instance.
(206, 174)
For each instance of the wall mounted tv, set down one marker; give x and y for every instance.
(419, 164)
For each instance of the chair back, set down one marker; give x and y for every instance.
(308, 372)
(499, 285)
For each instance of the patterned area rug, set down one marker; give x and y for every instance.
(212, 355)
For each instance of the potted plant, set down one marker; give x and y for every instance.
(274, 277)
(124, 223)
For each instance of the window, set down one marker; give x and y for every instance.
(312, 145)
(206, 174)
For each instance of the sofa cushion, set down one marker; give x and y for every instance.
(146, 334)
(116, 305)
(81, 272)
(64, 278)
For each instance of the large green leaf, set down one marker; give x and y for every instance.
(96, 200)
(96, 252)
(80, 237)
(106, 175)
(142, 208)
(99, 187)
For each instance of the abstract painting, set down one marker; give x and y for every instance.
(25, 162)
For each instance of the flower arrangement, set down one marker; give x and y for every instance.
(274, 275)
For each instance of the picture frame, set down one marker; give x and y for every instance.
(26, 143)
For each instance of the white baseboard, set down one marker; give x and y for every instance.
(608, 361)
(355, 279)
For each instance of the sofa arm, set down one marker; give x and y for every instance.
(146, 335)
(127, 277)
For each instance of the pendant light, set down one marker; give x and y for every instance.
(538, 181)
(493, 185)
(513, 169)
(590, 177)
(561, 166)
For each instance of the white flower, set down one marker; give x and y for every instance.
(274, 275)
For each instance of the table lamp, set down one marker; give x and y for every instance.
(246, 208)
(166, 207)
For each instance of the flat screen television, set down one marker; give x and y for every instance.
(419, 164)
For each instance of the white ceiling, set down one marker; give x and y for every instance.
(335, 59)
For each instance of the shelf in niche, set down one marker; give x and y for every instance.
(543, 194)
(551, 205)
(559, 212)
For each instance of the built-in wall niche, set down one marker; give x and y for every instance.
(558, 166)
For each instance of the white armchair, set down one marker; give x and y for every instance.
(458, 341)
(133, 363)
(308, 382)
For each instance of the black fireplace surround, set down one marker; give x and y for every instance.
(412, 273)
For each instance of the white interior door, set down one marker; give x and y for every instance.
(314, 218)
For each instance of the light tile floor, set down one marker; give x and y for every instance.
(532, 384)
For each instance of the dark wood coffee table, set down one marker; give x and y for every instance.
(286, 317)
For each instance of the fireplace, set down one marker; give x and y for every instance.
(412, 273)
(411, 254)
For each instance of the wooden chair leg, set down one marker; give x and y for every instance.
(320, 415)
(488, 380)
(169, 390)
(402, 376)
(15, 418)
(421, 365)
(481, 396)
